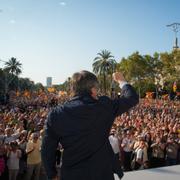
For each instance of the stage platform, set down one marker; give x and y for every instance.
(165, 173)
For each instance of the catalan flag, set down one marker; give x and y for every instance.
(149, 95)
(27, 94)
(174, 87)
(51, 89)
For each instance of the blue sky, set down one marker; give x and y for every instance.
(56, 38)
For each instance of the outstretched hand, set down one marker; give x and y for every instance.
(118, 77)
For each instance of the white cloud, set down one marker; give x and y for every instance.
(12, 21)
(62, 3)
(1, 10)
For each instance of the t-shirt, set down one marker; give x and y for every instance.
(34, 157)
(158, 152)
(139, 154)
(13, 160)
(114, 143)
(127, 142)
(172, 151)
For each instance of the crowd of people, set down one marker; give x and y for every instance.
(147, 136)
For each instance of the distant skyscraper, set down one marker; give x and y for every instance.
(49, 81)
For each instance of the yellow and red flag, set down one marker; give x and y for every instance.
(149, 95)
(51, 89)
(27, 94)
(174, 87)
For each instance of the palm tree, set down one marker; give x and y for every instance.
(13, 66)
(104, 64)
(12, 70)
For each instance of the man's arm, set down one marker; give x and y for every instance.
(129, 97)
(49, 146)
(29, 148)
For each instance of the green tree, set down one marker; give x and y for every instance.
(153, 68)
(170, 68)
(39, 87)
(103, 66)
(140, 71)
(134, 67)
(26, 84)
(12, 69)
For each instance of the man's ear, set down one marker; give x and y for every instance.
(94, 92)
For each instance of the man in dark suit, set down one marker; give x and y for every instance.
(82, 125)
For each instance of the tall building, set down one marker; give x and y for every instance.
(49, 81)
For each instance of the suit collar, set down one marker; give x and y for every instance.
(84, 97)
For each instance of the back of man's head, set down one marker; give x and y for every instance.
(83, 82)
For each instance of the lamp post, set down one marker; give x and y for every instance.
(176, 28)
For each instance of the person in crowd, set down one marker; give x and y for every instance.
(148, 140)
(172, 148)
(139, 143)
(140, 155)
(13, 155)
(9, 136)
(158, 155)
(22, 142)
(127, 144)
(114, 141)
(33, 157)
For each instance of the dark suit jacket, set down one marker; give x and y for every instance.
(82, 126)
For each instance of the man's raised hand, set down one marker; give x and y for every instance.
(118, 77)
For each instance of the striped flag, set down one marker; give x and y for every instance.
(174, 87)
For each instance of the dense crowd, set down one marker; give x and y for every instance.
(21, 131)
(147, 136)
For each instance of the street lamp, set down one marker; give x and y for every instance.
(176, 28)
